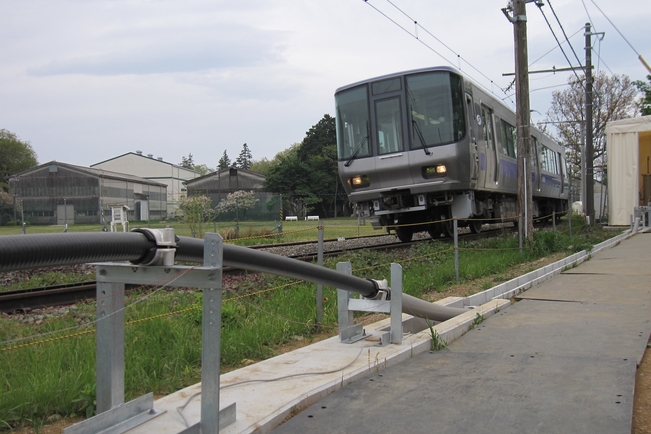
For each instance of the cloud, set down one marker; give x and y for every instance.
(225, 47)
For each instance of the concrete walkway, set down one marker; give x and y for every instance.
(562, 359)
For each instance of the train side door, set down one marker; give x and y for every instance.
(492, 158)
(481, 147)
(474, 151)
(535, 165)
(563, 171)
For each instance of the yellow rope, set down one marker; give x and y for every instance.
(15, 347)
(141, 320)
(272, 235)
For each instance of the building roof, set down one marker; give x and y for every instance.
(149, 157)
(226, 172)
(100, 173)
(630, 125)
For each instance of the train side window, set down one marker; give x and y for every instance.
(534, 153)
(389, 126)
(509, 140)
(549, 160)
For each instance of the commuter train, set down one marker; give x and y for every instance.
(427, 145)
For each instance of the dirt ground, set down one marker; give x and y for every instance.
(642, 400)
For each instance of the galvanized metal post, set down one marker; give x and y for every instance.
(570, 213)
(456, 248)
(319, 287)
(345, 316)
(211, 336)
(280, 215)
(520, 233)
(109, 371)
(396, 303)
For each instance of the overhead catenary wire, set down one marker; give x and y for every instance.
(417, 24)
(588, 14)
(615, 27)
(407, 31)
(415, 36)
(639, 56)
(560, 46)
(555, 47)
(563, 30)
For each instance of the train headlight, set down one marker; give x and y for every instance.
(359, 181)
(437, 171)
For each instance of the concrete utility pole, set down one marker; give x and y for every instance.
(589, 145)
(522, 112)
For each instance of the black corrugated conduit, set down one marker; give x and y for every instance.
(18, 252)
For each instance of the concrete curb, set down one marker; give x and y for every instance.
(522, 283)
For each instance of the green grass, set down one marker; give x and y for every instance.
(250, 233)
(164, 354)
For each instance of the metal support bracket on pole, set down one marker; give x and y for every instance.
(350, 332)
(114, 416)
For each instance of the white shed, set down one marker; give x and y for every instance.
(628, 143)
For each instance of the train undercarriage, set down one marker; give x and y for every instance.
(405, 214)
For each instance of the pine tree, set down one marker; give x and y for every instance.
(224, 162)
(188, 162)
(245, 158)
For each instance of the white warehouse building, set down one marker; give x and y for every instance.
(154, 169)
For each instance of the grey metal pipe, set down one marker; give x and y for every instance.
(41, 250)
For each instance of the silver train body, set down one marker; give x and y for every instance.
(429, 145)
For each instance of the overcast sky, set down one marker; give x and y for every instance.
(84, 81)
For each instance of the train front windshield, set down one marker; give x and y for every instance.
(434, 107)
(353, 123)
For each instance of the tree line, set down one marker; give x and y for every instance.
(243, 161)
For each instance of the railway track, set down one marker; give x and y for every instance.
(25, 300)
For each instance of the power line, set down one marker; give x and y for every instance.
(415, 36)
(563, 30)
(417, 25)
(556, 46)
(544, 88)
(588, 14)
(620, 33)
(439, 41)
(559, 44)
(602, 60)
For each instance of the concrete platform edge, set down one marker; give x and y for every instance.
(417, 343)
(520, 284)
